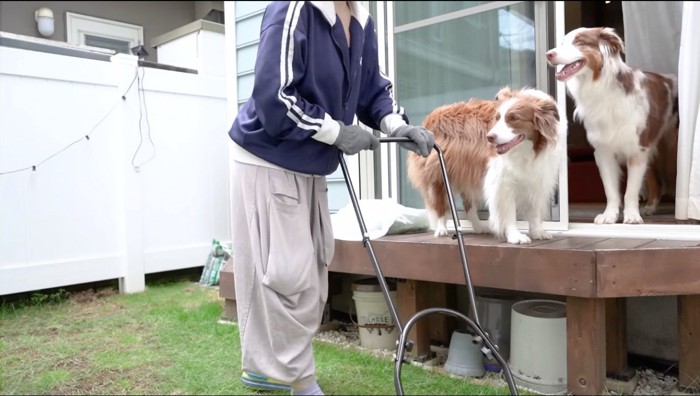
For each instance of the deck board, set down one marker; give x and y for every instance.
(648, 272)
(619, 243)
(566, 243)
(662, 243)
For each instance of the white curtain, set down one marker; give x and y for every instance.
(652, 34)
(660, 37)
(688, 179)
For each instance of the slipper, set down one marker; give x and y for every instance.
(261, 382)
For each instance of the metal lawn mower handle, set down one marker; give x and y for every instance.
(473, 323)
(366, 242)
(401, 139)
(455, 219)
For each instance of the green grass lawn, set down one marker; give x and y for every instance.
(167, 340)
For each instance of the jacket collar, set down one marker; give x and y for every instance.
(356, 10)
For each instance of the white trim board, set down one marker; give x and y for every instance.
(77, 26)
(454, 15)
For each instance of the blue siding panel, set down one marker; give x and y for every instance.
(245, 58)
(245, 8)
(245, 86)
(248, 29)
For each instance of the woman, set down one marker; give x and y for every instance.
(316, 70)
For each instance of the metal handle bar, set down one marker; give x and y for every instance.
(403, 342)
(455, 219)
(399, 139)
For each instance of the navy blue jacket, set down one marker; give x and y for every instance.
(307, 79)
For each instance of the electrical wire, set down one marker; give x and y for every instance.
(122, 97)
(143, 109)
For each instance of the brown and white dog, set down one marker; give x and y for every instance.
(626, 113)
(504, 152)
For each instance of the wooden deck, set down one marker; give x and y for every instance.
(594, 275)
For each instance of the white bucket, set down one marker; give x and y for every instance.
(538, 346)
(377, 329)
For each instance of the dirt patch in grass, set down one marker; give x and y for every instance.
(73, 363)
(111, 381)
(91, 295)
(91, 309)
(29, 353)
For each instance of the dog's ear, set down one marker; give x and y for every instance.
(546, 120)
(613, 42)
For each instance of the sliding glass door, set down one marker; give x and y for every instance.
(441, 52)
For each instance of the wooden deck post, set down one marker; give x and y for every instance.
(689, 343)
(585, 345)
(227, 291)
(414, 296)
(616, 338)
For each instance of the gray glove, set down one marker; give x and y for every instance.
(352, 138)
(422, 139)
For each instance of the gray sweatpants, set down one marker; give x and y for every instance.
(282, 244)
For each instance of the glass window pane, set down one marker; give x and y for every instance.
(121, 46)
(412, 11)
(469, 57)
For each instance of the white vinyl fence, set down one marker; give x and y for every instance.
(100, 209)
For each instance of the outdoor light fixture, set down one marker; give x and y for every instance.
(44, 21)
(139, 51)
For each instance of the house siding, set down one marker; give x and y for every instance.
(248, 19)
(156, 17)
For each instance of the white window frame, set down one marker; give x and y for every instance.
(78, 25)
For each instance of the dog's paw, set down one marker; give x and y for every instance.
(632, 217)
(606, 218)
(540, 234)
(440, 231)
(518, 239)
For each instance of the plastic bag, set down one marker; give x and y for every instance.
(215, 261)
(381, 216)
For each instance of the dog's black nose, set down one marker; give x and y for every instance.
(551, 54)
